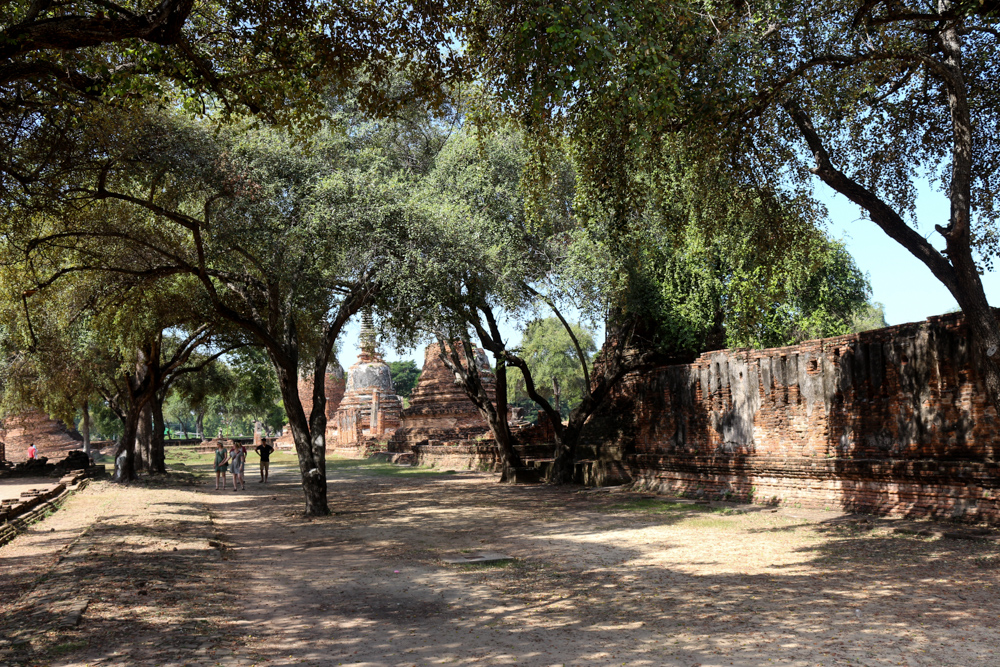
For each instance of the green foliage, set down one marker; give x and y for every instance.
(104, 424)
(872, 316)
(824, 294)
(405, 376)
(550, 353)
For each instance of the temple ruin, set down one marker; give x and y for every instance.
(51, 437)
(370, 408)
(439, 409)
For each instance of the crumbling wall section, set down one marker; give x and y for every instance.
(891, 420)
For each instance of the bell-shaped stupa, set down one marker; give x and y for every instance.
(370, 407)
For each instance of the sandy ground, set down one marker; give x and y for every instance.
(598, 579)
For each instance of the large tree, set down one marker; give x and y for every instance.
(285, 244)
(871, 99)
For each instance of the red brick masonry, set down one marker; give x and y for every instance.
(890, 421)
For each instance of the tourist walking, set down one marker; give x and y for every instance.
(32, 451)
(237, 457)
(221, 465)
(264, 451)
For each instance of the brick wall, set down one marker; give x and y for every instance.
(891, 420)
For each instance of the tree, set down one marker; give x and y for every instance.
(405, 376)
(62, 62)
(548, 349)
(870, 98)
(284, 244)
(192, 392)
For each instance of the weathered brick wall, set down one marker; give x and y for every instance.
(891, 420)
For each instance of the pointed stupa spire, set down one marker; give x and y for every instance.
(369, 342)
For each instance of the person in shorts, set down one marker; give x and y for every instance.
(264, 451)
(236, 460)
(221, 465)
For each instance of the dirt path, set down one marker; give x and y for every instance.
(599, 579)
(118, 576)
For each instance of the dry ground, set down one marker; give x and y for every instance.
(599, 579)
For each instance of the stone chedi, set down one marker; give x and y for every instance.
(370, 407)
(439, 408)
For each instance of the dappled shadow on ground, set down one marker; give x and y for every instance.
(596, 581)
(154, 587)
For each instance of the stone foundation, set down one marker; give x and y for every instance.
(458, 456)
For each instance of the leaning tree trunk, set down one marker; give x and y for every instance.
(513, 468)
(157, 453)
(309, 447)
(85, 428)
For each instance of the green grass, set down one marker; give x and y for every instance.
(184, 458)
(656, 506)
(495, 565)
(368, 468)
(67, 647)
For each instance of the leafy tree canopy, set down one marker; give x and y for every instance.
(405, 375)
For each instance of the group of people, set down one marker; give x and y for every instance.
(234, 461)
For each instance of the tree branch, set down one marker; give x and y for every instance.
(881, 213)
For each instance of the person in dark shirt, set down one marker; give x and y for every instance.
(264, 450)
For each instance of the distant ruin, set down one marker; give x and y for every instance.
(370, 409)
(440, 411)
(51, 437)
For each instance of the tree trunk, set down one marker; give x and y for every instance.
(85, 428)
(125, 451)
(555, 396)
(307, 446)
(984, 329)
(199, 425)
(144, 434)
(512, 467)
(157, 451)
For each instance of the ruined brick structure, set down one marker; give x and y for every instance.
(439, 408)
(52, 438)
(335, 385)
(891, 420)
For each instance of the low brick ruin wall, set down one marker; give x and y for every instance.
(458, 456)
(888, 421)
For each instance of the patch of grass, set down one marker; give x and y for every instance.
(367, 468)
(67, 647)
(495, 565)
(656, 506)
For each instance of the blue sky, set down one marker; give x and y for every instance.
(900, 282)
